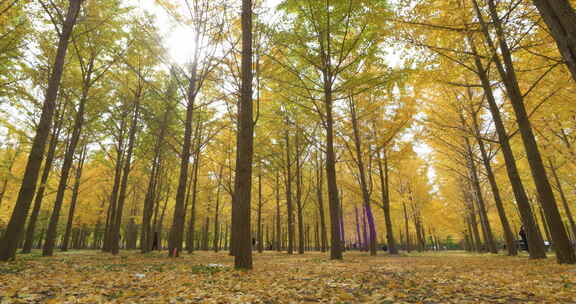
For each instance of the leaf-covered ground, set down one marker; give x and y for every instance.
(205, 277)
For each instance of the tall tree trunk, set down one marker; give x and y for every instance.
(217, 212)
(278, 223)
(109, 228)
(299, 207)
(74, 198)
(13, 233)
(51, 233)
(536, 244)
(29, 240)
(115, 235)
(372, 238)
(508, 236)
(407, 229)
(147, 233)
(289, 207)
(259, 215)
(384, 186)
(358, 235)
(320, 198)
(245, 150)
(485, 223)
(177, 229)
(194, 192)
(560, 18)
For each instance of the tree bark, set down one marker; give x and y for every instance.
(560, 18)
(245, 150)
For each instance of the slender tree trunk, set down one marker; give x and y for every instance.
(13, 233)
(508, 236)
(485, 223)
(29, 240)
(372, 238)
(321, 213)
(74, 199)
(536, 244)
(289, 207)
(217, 213)
(384, 186)
(259, 215)
(358, 235)
(115, 235)
(177, 229)
(51, 233)
(147, 233)
(278, 223)
(194, 192)
(563, 198)
(107, 246)
(407, 229)
(301, 232)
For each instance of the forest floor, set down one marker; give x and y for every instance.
(206, 277)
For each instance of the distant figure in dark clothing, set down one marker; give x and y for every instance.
(155, 241)
(253, 241)
(522, 234)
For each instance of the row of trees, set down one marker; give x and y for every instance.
(498, 77)
(287, 132)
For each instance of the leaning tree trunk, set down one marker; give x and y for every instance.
(508, 236)
(564, 251)
(13, 234)
(563, 197)
(29, 240)
(535, 242)
(560, 18)
(51, 232)
(485, 223)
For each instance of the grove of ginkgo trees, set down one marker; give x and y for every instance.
(299, 126)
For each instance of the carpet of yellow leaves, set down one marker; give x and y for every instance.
(205, 277)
